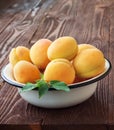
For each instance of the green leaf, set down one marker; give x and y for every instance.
(42, 87)
(28, 87)
(58, 85)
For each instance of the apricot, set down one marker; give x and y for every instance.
(25, 71)
(61, 70)
(89, 63)
(63, 47)
(82, 47)
(19, 53)
(38, 53)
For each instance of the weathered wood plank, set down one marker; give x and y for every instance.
(111, 76)
(14, 111)
(20, 127)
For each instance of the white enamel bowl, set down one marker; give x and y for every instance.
(79, 92)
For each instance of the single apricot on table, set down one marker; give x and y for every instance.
(19, 53)
(38, 53)
(63, 47)
(25, 71)
(89, 63)
(61, 70)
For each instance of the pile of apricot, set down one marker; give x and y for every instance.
(62, 60)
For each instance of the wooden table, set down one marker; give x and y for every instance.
(23, 22)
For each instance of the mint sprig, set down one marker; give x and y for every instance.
(42, 86)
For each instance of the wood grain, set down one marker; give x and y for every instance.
(92, 22)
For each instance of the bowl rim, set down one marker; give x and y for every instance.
(74, 85)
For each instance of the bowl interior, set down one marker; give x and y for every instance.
(7, 75)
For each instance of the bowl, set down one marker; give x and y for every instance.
(79, 92)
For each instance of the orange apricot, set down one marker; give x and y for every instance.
(89, 63)
(25, 71)
(63, 47)
(61, 70)
(38, 53)
(19, 53)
